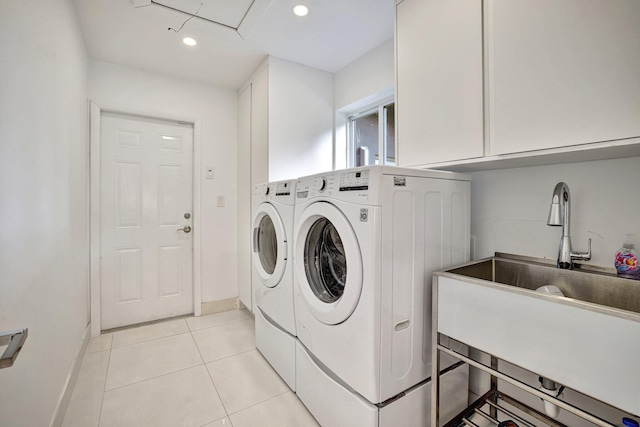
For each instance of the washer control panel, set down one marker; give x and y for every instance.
(348, 186)
(319, 185)
(354, 181)
(322, 182)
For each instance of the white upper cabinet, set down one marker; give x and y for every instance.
(439, 80)
(562, 73)
(516, 82)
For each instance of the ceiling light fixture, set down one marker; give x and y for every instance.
(300, 10)
(189, 41)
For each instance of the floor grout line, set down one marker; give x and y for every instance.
(198, 348)
(226, 411)
(222, 324)
(233, 355)
(105, 386)
(151, 339)
(156, 377)
(263, 401)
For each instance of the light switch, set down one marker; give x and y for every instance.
(220, 201)
(210, 174)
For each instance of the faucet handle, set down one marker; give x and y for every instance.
(582, 256)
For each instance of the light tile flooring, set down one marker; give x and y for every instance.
(199, 371)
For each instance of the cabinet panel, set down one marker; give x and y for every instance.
(244, 197)
(562, 73)
(439, 80)
(260, 128)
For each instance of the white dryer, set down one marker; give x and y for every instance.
(366, 243)
(273, 209)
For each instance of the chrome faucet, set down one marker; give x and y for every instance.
(560, 215)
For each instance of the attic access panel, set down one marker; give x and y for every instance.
(226, 12)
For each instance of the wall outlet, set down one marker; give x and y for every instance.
(220, 201)
(210, 173)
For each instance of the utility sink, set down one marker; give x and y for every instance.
(588, 340)
(593, 285)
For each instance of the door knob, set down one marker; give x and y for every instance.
(186, 229)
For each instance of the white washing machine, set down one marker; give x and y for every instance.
(273, 208)
(366, 243)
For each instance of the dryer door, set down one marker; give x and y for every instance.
(328, 263)
(269, 245)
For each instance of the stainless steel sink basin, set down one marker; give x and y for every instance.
(593, 285)
(588, 340)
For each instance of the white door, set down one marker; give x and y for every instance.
(146, 206)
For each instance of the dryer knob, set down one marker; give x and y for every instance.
(323, 184)
(266, 193)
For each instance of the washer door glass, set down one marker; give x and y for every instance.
(269, 245)
(328, 263)
(325, 261)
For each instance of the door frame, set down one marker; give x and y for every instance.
(95, 287)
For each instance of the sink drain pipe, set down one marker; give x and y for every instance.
(546, 385)
(549, 387)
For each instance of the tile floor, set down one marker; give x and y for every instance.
(199, 371)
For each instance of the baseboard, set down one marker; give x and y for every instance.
(70, 383)
(242, 306)
(213, 307)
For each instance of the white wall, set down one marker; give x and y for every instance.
(509, 208)
(43, 202)
(300, 120)
(129, 89)
(373, 74)
(366, 80)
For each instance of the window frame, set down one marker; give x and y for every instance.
(379, 107)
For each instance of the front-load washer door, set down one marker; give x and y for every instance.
(269, 245)
(328, 263)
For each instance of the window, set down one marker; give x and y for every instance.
(372, 136)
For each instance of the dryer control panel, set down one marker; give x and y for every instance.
(279, 192)
(282, 188)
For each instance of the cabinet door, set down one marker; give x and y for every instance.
(562, 72)
(439, 80)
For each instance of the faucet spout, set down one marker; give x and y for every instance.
(560, 215)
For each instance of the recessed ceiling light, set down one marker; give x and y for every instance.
(300, 10)
(189, 41)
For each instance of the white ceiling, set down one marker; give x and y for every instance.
(333, 34)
